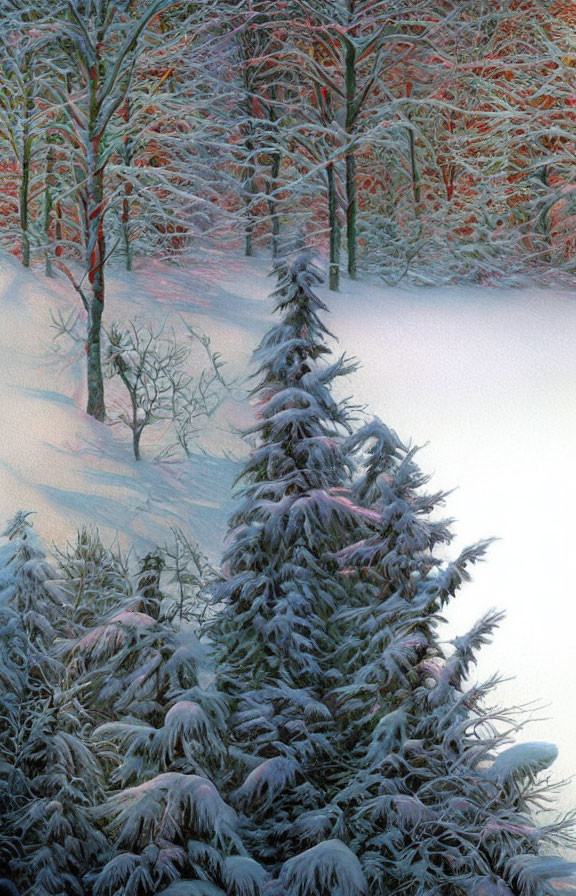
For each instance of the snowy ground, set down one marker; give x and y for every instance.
(487, 377)
(72, 471)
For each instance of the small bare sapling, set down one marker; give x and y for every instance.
(190, 575)
(161, 383)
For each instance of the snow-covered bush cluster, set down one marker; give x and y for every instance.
(309, 735)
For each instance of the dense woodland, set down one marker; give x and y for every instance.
(413, 135)
(293, 724)
(423, 140)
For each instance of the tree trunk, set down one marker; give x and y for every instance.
(249, 193)
(48, 211)
(95, 407)
(58, 230)
(126, 227)
(274, 174)
(273, 205)
(352, 216)
(24, 199)
(334, 229)
(136, 436)
(416, 186)
(350, 160)
(96, 258)
(127, 202)
(249, 236)
(543, 218)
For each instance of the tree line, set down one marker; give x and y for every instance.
(428, 140)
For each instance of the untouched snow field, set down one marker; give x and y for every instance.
(486, 376)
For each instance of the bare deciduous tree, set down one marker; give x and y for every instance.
(161, 382)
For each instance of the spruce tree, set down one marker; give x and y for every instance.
(56, 823)
(95, 578)
(433, 800)
(274, 634)
(362, 759)
(159, 730)
(50, 776)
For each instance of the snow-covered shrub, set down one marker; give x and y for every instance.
(96, 578)
(14, 657)
(160, 731)
(59, 834)
(112, 748)
(132, 655)
(328, 869)
(133, 642)
(50, 776)
(36, 594)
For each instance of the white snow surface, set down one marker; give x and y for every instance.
(486, 377)
(70, 470)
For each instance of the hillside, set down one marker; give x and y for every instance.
(70, 470)
(487, 377)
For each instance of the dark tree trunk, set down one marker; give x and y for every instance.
(24, 199)
(352, 216)
(249, 195)
(48, 204)
(127, 200)
(24, 193)
(58, 230)
(96, 257)
(136, 436)
(273, 205)
(334, 229)
(95, 406)
(416, 186)
(126, 208)
(350, 160)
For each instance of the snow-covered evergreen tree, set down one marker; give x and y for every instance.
(362, 759)
(34, 590)
(95, 578)
(432, 801)
(14, 653)
(56, 823)
(50, 776)
(124, 652)
(274, 635)
(160, 728)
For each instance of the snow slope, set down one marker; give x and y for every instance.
(57, 461)
(487, 377)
